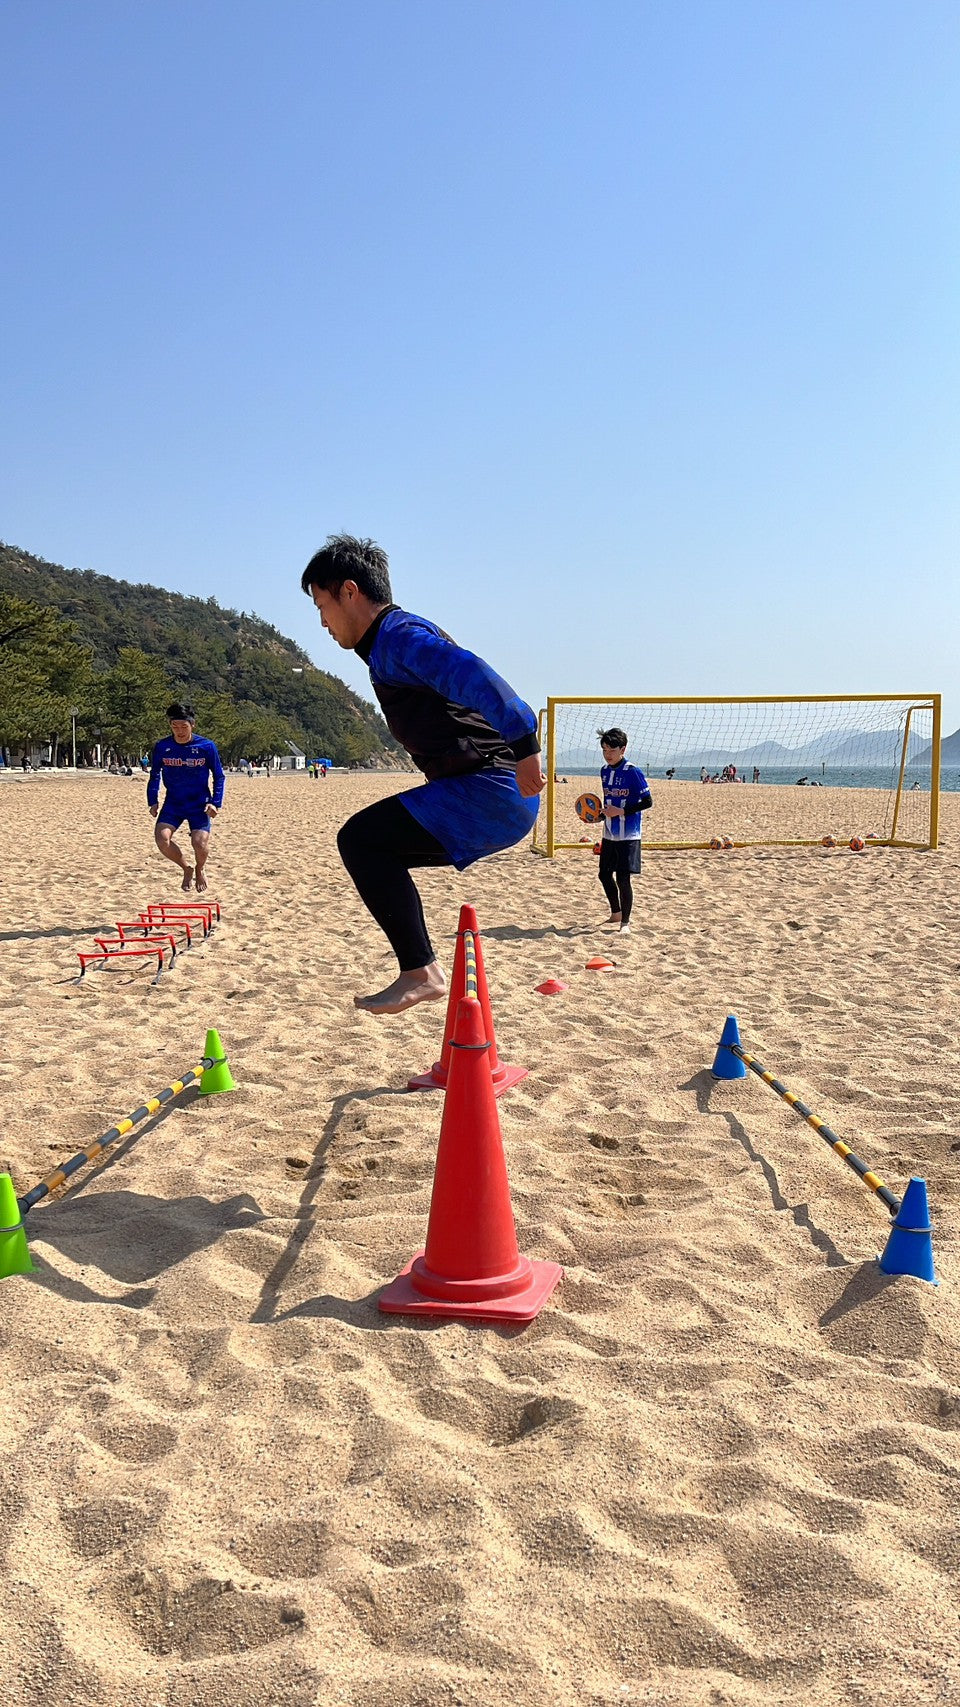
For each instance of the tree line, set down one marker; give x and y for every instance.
(83, 653)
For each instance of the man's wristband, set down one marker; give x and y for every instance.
(525, 747)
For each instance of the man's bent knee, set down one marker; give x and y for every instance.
(351, 840)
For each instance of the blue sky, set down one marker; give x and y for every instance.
(629, 330)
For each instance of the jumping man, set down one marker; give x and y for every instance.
(185, 761)
(463, 726)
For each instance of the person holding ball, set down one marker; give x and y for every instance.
(626, 794)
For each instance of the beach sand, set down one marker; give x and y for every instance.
(723, 1464)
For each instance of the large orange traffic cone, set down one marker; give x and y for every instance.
(471, 1265)
(502, 1075)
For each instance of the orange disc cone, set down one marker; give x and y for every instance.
(503, 1076)
(471, 1265)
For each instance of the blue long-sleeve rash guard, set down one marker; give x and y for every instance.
(185, 769)
(451, 712)
(462, 725)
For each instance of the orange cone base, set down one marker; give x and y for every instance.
(516, 1297)
(436, 1080)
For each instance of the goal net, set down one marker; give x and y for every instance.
(758, 771)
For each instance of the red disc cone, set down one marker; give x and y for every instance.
(598, 964)
(551, 987)
(503, 1076)
(471, 1265)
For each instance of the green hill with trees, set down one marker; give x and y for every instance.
(115, 653)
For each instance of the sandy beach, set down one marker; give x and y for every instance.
(721, 1467)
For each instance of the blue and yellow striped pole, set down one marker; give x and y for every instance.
(730, 1044)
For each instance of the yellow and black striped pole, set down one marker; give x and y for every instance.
(115, 1133)
(730, 1042)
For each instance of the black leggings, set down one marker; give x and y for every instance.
(379, 846)
(618, 860)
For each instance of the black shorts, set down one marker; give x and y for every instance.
(617, 858)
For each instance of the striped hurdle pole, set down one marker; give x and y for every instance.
(470, 970)
(115, 1133)
(723, 1068)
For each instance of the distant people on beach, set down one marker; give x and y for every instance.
(671, 773)
(756, 774)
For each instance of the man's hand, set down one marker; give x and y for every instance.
(211, 810)
(154, 810)
(614, 812)
(530, 778)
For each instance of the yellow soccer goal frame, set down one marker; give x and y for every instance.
(548, 839)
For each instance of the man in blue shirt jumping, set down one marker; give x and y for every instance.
(186, 762)
(474, 739)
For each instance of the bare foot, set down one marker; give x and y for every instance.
(201, 881)
(427, 984)
(614, 918)
(187, 878)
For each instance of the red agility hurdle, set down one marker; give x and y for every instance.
(211, 908)
(171, 912)
(154, 931)
(124, 925)
(121, 942)
(119, 953)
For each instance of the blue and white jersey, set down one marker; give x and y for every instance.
(185, 770)
(623, 785)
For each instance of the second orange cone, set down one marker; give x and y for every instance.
(501, 1073)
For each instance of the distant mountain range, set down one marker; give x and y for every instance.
(205, 650)
(949, 750)
(840, 748)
